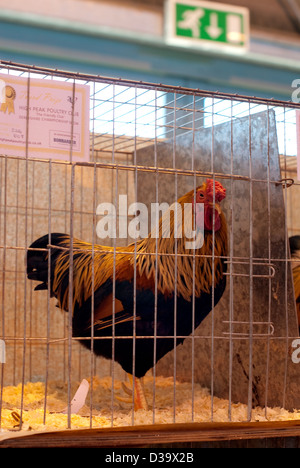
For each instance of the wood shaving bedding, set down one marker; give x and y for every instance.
(162, 391)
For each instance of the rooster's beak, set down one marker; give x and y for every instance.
(216, 206)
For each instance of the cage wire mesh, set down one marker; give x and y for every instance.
(151, 144)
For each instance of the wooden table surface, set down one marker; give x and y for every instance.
(155, 435)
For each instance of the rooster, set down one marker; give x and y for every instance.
(149, 296)
(295, 253)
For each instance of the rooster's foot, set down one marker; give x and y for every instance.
(140, 401)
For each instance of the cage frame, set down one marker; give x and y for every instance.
(202, 431)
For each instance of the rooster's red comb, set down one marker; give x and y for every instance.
(220, 191)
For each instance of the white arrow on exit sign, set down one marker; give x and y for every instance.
(213, 29)
(207, 24)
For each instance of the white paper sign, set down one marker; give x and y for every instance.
(54, 130)
(79, 398)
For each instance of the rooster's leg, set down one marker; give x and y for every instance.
(140, 401)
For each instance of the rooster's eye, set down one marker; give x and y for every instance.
(200, 195)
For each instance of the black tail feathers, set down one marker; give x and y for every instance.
(38, 259)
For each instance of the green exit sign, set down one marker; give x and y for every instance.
(207, 25)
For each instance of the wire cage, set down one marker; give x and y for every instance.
(89, 156)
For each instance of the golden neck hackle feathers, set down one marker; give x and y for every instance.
(161, 261)
(186, 271)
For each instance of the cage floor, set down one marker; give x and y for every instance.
(102, 414)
